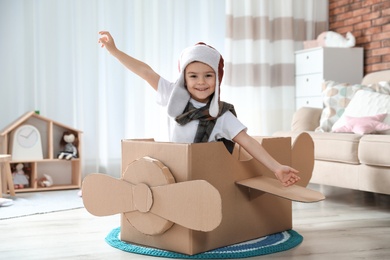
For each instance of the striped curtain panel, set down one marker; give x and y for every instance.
(261, 38)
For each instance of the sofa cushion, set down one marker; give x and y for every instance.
(337, 147)
(306, 119)
(336, 97)
(375, 150)
(363, 125)
(382, 87)
(366, 103)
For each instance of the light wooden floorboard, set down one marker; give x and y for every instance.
(347, 225)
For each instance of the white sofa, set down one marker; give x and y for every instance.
(349, 160)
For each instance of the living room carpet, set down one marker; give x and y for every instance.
(261, 246)
(31, 203)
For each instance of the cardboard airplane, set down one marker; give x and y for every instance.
(192, 198)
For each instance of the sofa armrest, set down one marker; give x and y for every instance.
(306, 119)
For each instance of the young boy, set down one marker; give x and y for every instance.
(193, 102)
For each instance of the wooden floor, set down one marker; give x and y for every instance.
(347, 225)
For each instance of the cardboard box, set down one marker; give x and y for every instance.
(230, 197)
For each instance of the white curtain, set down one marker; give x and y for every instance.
(50, 61)
(261, 38)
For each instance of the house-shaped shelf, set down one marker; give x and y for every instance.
(66, 174)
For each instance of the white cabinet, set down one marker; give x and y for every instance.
(314, 66)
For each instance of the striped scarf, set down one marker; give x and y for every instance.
(206, 122)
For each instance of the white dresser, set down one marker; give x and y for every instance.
(314, 66)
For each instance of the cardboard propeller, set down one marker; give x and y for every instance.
(149, 197)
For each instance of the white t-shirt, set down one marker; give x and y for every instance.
(227, 125)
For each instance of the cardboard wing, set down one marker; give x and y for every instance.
(302, 159)
(273, 186)
(191, 198)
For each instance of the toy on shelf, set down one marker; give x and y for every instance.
(20, 179)
(45, 181)
(69, 142)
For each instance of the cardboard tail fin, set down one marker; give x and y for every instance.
(302, 156)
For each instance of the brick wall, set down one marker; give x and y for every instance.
(369, 22)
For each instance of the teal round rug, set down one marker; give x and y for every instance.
(261, 246)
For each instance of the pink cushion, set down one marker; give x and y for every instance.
(363, 125)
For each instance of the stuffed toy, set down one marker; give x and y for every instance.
(45, 181)
(20, 179)
(69, 142)
(333, 39)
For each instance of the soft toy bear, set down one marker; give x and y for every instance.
(45, 181)
(20, 179)
(333, 39)
(68, 142)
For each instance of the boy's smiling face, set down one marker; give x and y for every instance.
(200, 81)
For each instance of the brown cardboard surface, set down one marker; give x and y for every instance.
(101, 189)
(302, 157)
(273, 186)
(246, 213)
(197, 199)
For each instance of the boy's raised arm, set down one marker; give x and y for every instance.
(285, 174)
(136, 66)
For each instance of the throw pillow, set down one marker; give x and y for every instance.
(366, 103)
(363, 125)
(381, 87)
(336, 97)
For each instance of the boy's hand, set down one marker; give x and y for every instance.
(287, 175)
(107, 41)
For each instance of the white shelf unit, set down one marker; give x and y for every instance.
(316, 65)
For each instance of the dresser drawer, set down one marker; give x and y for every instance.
(308, 85)
(313, 66)
(308, 62)
(308, 102)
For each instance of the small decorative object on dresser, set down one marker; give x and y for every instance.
(334, 39)
(331, 39)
